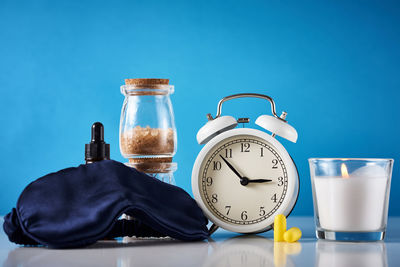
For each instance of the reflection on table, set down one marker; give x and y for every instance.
(151, 252)
(224, 249)
(252, 250)
(335, 254)
(248, 250)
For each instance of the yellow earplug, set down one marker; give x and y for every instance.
(279, 227)
(292, 235)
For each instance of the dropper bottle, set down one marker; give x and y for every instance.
(97, 149)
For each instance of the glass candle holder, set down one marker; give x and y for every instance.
(351, 197)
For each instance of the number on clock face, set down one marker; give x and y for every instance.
(243, 180)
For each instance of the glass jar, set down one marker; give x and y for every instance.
(163, 171)
(147, 127)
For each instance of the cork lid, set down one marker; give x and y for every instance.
(153, 86)
(147, 81)
(153, 166)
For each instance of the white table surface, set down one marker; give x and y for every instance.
(225, 249)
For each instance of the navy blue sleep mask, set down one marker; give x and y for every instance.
(76, 207)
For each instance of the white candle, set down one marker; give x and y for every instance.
(354, 203)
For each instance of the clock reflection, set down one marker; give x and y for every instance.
(335, 254)
(252, 250)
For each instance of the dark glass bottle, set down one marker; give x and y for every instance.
(97, 149)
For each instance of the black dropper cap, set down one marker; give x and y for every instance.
(97, 149)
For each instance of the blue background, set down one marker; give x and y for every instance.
(332, 65)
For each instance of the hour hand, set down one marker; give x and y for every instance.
(231, 167)
(260, 180)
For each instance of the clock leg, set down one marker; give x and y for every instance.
(212, 229)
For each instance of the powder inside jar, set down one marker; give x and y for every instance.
(148, 141)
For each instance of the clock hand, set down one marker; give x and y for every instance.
(244, 180)
(259, 180)
(231, 167)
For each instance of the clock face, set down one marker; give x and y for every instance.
(243, 180)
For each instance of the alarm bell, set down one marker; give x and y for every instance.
(214, 127)
(276, 125)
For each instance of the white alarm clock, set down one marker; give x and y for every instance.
(243, 177)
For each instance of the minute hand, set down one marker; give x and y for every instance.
(231, 167)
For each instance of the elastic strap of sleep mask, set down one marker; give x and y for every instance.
(132, 228)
